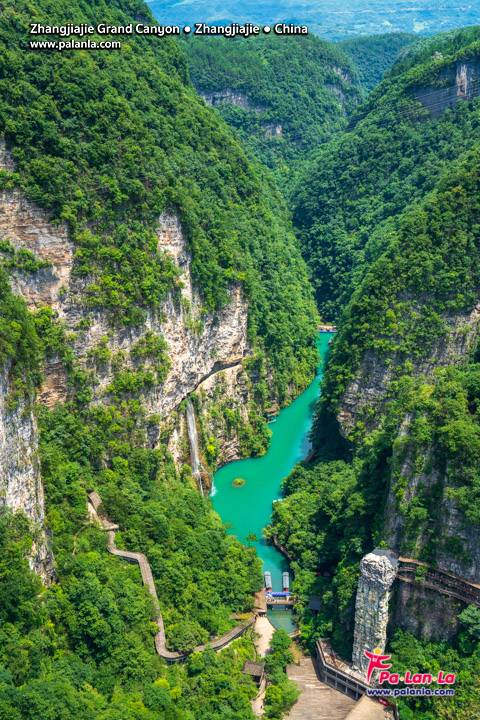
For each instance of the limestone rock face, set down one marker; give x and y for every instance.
(20, 477)
(370, 384)
(232, 386)
(27, 226)
(227, 95)
(377, 573)
(200, 344)
(20, 481)
(460, 83)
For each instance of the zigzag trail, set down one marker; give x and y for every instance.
(94, 501)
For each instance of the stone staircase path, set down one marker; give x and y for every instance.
(317, 700)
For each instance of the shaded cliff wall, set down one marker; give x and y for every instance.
(448, 540)
(223, 404)
(425, 612)
(227, 95)
(457, 547)
(460, 81)
(20, 481)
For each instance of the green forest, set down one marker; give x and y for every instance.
(394, 255)
(303, 86)
(325, 192)
(105, 143)
(373, 56)
(347, 209)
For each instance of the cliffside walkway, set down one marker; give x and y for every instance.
(94, 502)
(441, 581)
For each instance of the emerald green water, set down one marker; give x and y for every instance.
(248, 507)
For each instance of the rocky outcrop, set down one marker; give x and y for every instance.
(458, 81)
(20, 481)
(27, 226)
(273, 130)
(369, 388)
(21, 487)
(377, 573)
(227, 95)
(343, 74)
(217, 342)
(221, 396)
(338, 91)
(200, 344)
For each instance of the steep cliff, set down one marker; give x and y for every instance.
(21, 486)
(145, 267)
(198, 345)
(149, 255)
(399, 235)
(389, 221)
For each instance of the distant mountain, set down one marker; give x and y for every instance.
(373, 56)
(284, 96)
(326, 18)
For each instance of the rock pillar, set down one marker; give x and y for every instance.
(377, 573)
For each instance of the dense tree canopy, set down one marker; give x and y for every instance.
(349, 205)
(373, 56)
(107, 141)
(389, 218)
(292, 94)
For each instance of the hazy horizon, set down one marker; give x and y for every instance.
(324, 17)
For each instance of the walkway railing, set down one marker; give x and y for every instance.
(338, 675)
(94, 501)
(439, 580)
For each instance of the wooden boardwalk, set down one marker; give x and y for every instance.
(94, 501)
(317, 700)
(439, 580)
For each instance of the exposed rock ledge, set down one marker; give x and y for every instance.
(200, 345)
(20, 481)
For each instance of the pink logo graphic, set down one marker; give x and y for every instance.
(376, 662)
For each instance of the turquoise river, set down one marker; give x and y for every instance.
(247, 508)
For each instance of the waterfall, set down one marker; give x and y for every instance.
(193, 438)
